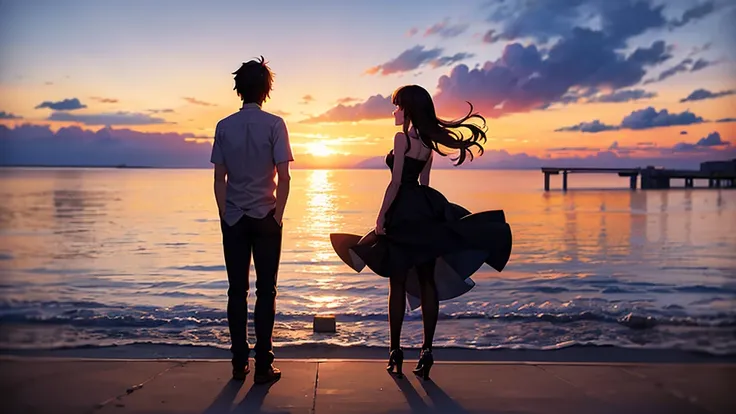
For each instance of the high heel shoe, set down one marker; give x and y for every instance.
(426, 360)
(396, 359)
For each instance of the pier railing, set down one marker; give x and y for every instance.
(651, 177)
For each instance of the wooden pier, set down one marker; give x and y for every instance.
(720, 174)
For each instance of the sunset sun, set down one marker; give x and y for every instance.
(318, 149)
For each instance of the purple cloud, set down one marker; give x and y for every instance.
(8, 115)
(701, 64)
(408, 60)
(449, 60)
(544, 20)
(114, 118)
(686, 65)
(694, 13)
(65, 105)
(710, 141)
(416, 57)
(701, 94)
(651, 118)
(491, 36)
(524, 78)
(625, 95)
(446, 30)
(375, 107)
(590, 127)
(39, 145)
(642, 119)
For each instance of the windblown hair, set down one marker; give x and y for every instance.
(419, 110)
(254, 81)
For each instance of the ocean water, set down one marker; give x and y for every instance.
(94, 257)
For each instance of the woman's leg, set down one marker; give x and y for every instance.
(430, 302)
(396, 309)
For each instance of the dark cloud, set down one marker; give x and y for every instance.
(591, 127)
(686, 65)
(651, 118)
(655, 54)
(446, 30)
(491, 36)
(408, 60)
(701, 64)
(702, 94)
(683, 66)
(161, 111)
(683, 132)
(416, 57)
(539, 20)
(624, 19)
(713, 140)
(524, 78)
(306, 99)
(700, 49)
(544, 20)
(195, 101)
(375, 107)
(8, 115)
(694, 13)
(113, 118)
(65, 105)
(625, 95)
(39, 145)
(642, 119)
(103, 100)
(724, 120)
(449, 60)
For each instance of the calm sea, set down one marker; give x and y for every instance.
(109, 256)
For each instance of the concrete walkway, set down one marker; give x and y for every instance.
(38, 385)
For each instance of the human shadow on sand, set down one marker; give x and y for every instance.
(251, 403)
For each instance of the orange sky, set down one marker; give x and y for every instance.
(167, 67)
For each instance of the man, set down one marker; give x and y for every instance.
(251, 148)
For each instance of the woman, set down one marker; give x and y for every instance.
(426, 246)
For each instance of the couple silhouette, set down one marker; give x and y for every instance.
(425, 245)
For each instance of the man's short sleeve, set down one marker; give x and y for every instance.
(217, 157)
(281, 144)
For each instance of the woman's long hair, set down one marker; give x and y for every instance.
(418, 109)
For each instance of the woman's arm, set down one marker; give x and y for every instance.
(393, 186)
(424, 176)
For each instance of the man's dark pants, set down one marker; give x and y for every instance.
(262, 237)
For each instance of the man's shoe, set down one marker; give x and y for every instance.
(267, 375)
(239, 374)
